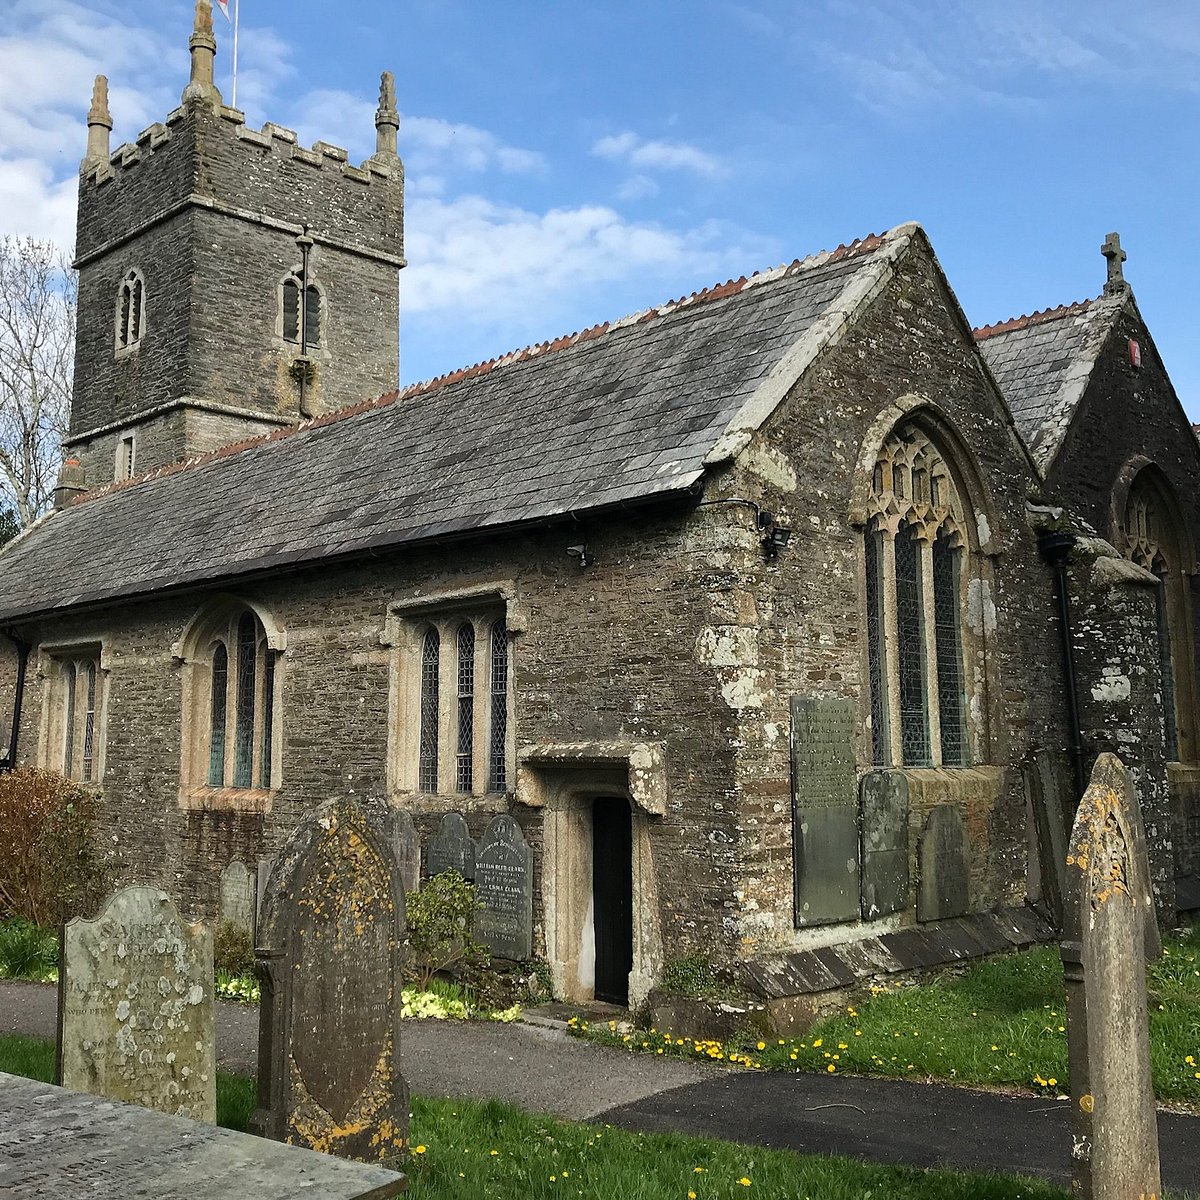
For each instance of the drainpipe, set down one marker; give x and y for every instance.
(10, 760)
(1055, 547)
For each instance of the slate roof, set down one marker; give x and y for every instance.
(1042, 363)
(624, 412)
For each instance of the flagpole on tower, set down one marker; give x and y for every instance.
(236, 5)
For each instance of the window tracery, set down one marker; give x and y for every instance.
(915, 556)
(131, 311)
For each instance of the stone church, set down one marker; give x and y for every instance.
(786, 619)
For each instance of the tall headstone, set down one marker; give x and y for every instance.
(944, 886)
(504, 890)
(1044, 798)
(239, 895)
(406, 846)
(1114, 1130)
(824, 811)
(884, 808)
(135, 1004)
(451, 848)
(328, 961)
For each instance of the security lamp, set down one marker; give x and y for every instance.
(776, 538)
(581, 553)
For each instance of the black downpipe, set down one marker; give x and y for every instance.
(1055, 547)
(10, 760)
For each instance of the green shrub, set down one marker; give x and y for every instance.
(27, 951)
(691, 975)
(50, 865)
(233, 948)
(440, 917)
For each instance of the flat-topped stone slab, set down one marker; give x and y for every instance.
(65, 1144)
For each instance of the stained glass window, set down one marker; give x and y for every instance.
(498, 753)
(910, 637)
(464, 773)
(243, 747)
(428, 764)
(220, 680)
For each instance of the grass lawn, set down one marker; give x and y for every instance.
(999, 1022)
(466, 1149)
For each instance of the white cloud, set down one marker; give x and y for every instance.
(627, 147)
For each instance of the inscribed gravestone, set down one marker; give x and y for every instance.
(239, 895)
(824, 811)
(1044, 797)
(329, 965)
(136, 1006)
(451, 848)
(1114, 1130)
(943, 890)
(504, 890)
(884, 808)
(406, 846)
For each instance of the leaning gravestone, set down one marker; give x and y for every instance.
(135, 1002)
(824, 811)
(504, 890)
(451, 848)
(944, 886)
(884, 843)
(239, 895)
(1044, 796)
(1114, 1129)
(328, 961)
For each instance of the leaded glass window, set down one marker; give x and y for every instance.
(498, 749)
(216, 748)
(428, 766)
(69, 683)
(243, 747)
(464, 758)
(914, 561)
(76, 694)
(89, 725)
(268, 718)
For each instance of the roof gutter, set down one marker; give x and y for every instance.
(9, 761)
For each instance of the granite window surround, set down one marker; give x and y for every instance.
(450, 730)
(75, 710)
(129, 319)
(232, 708)
(916, 574)
(290, 291)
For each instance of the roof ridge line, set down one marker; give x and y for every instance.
(710, 294)
(1038, 317)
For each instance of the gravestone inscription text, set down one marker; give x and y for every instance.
(504, 890)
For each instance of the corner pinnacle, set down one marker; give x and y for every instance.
(203, 47)
(387, 118)
(99, 122)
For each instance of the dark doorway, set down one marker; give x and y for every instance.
(612, 892)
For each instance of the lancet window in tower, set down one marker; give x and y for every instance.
(1154, 540)
(302, 325)
(915, 560)
(131, 311)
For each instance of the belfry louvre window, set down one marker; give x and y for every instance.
(458, 707)
(1154, 539)
(75, 725)
(293, 315)
(236, 700)
(915, 558)
(131, 311)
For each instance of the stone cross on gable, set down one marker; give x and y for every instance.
(1111, 249)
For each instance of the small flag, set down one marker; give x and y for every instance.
(223, 5)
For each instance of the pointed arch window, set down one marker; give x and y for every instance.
(1154, 538)
(430, 689)
(131, 311)
(914, 571)
(75, 696)
(302, 322)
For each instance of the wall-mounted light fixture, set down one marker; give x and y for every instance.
(582, 553)
(774, 536)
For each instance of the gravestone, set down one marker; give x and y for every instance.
(884, 807)
(406, 846)
(825, 831)
(135, 1005)
(944, 885)
(1044, 796)
(239, 896)
(1114, 1130)
(504, 890)
(329, 965)
(451, 848)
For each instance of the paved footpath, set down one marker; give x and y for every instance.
(543, 1070)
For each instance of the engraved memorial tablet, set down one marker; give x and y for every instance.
(136, 1006)
(824, 811)
(504, 890)
(451, 848)
(943, 890)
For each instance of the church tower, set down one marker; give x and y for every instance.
(230, 280)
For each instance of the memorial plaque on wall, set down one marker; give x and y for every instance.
(824, 811)
(136, 1006)
(504, 890)
(943, 890)
(451, 848)
(884, 843)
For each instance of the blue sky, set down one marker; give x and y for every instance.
(568, 163)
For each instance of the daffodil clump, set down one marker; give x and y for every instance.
(1001, 1021)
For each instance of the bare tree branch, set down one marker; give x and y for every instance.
(37, 353)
